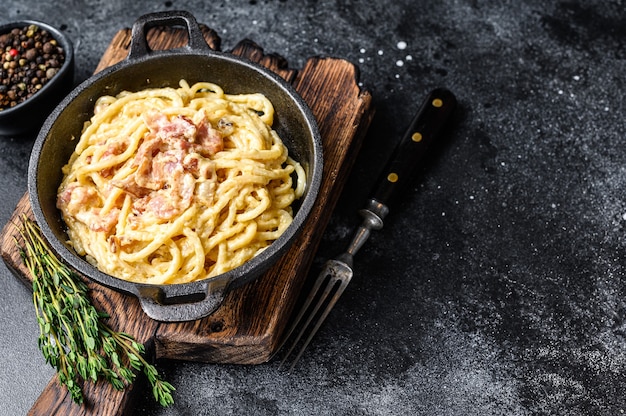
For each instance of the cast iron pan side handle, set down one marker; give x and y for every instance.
(139, 44)
(183, 302)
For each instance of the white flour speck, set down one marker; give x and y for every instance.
(576, 77)
(408, 58)
(401, 45)
(380, 51)
(362, 50)
(399, 62)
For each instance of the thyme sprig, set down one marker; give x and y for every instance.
(73, 337)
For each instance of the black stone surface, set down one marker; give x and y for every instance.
(497, 285)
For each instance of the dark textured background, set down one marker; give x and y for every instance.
(497, 285)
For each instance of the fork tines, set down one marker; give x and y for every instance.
(327, 289)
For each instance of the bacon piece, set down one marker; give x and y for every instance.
(114, 244)
(158, 204)
(143, 160)
(98, 222)
(113, 149)
(79, 201)
(178, 126)
(208, 139)
(74, 197)
(129, 186)
(167, 203)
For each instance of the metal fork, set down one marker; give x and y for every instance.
(334, 277)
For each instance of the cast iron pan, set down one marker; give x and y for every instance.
(146, 68)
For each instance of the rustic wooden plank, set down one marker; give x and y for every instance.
(246, 329)
(252, 51)
(10, 252)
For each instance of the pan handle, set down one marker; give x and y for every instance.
(139, 43)
(182, 302)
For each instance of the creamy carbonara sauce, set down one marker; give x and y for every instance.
(172, 185)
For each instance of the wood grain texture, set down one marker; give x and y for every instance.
(247, 327)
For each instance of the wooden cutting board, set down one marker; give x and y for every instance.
(247, 328)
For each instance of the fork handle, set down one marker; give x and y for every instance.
(431, 118)
(429, 121)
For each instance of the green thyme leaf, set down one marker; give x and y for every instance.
(73, 338)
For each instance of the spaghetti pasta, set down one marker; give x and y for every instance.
(171, 185)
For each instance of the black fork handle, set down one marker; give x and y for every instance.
(431, 118)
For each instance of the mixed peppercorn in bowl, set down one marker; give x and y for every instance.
(36, 72)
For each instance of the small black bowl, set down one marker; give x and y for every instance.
(29, 115)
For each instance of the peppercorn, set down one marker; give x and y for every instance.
(29, 58)
(30, 54)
